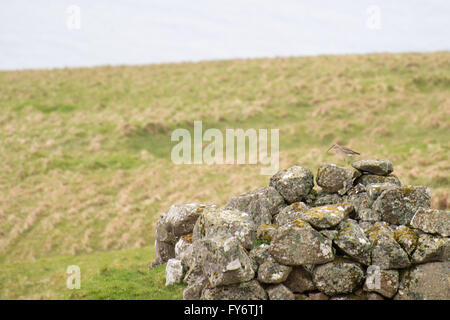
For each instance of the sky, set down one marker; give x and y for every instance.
(38, 34)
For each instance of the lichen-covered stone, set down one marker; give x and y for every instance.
(431, 248)
(432, 221)
(338, 277)
(294, 183)
(364, 295)
(398, 205)
(298, 243)
(385, 282)
(273, 272)
(261, 254)
(280, 292)
(326, 216)
(236, 223)
(290, 213)
(183, 251)
(163, 251)
(299, 280)
(362, 202)
(174, 272)
(317, 296)
(429, 281)
(352, 240)
(335, 179)
(386, 252)
(324, 198)
(407, 238)
(374, 190)
(378, 167)
(179, 220)
(223, 260)
(265, 232)
(250, 290)
(196, 281)
(366, 225)
(261, 204)
(368, 179)
(330, 234)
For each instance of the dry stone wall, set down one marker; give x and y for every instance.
(363, 235)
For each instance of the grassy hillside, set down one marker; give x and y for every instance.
(85, 153)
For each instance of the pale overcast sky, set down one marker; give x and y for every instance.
(49, 33)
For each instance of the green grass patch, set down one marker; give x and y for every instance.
(126, 284)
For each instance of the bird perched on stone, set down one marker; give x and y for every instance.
(343, 151)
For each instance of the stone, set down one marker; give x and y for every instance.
(324, 198)
(368, 179)
(365, 225)
(182, 218)
(163, 251)
(384, 282)
(311, 198)
(374, 190)
(235, 223)
(377, 167)
(340, 276)
(298, 244)
(261, 254)
(183, 251)
(398, 205)
(431, 248)
(407, 238)
(294, 183)
(299, 280)
(261, 204)
(179, 220)
(432, 221)
(326, 216)
(265, 232)
(352, 240)
(364, 295)
(290, 213)
(317, 296)
(280, 292)
(272, 272)
(196, 282)
(250, 290)
(347, 297)
(335, 179)
(362, 202)
(223, 260)
(386, 252)
(330, 234)
(429, 281)
(174, 272)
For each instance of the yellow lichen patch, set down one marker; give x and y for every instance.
(299, 223)
(403, 233)
(187, 237)
(376, 232)
(406, 190)
(299, 206)
(265, 231)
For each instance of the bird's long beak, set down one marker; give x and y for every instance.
(330, 148)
